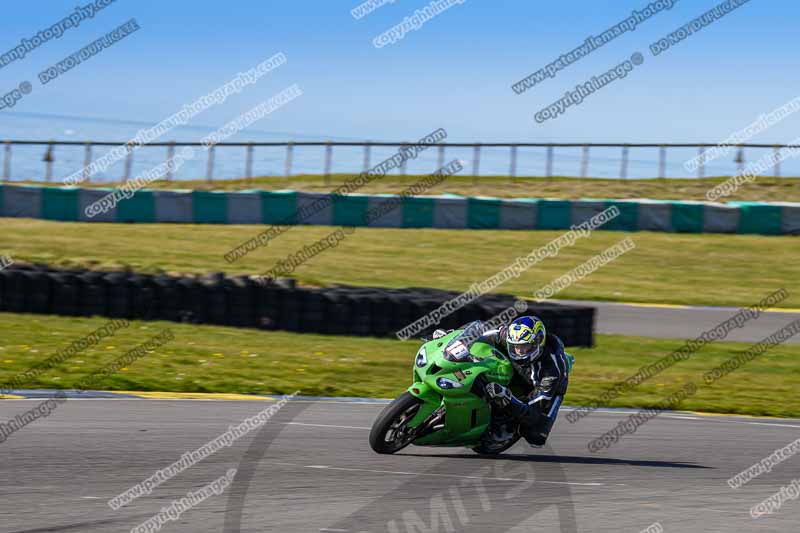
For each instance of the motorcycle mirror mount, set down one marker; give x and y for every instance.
(439, 333)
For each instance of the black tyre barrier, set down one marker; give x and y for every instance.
(143, 292)
(242, 298)
(14, 291)
(95, 295)
(118, 295)
(37, 290)
(167, 306)
(242, 302)
(66, 294)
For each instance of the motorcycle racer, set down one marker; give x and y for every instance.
(541, 375)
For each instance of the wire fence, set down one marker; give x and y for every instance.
(506, 159)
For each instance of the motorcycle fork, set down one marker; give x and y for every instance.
(432, 424)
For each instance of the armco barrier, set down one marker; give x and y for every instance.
(242, 302)
(445, 212)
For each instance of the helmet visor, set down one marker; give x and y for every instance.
(523, 351)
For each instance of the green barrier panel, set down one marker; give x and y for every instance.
(279, 207)
(763, 219)
(59, 204)
(553, 214)
(141, 207)
(483, 213)
(209, 207)
(627, 220)
(687, 217)
(418, 212)
(349, 210)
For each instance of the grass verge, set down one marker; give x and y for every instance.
(764, 189)
(707, 269)
(219, 359)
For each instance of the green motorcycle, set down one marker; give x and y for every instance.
(440, 408)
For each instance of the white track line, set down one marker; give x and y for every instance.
(325, 467)
(613, 411)
(766, 424)
(323, 425)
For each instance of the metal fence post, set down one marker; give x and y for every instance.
(584, 161)
(366, 156)
(623, 171)
(740, 161)
(128, 163)
(701, 167)
(170, 156)
(87, 160)
(476, 161)
(48, 159)
(328, 161)
(404, 163)
(210, 165)
(248, 166)
(287, 166)
(513, 168)
(7, 162)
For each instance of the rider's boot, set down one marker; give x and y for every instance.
(537, 436)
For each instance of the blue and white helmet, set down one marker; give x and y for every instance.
(525, 339)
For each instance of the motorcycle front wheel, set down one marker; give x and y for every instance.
(390, 432)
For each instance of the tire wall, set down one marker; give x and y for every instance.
(242, 302)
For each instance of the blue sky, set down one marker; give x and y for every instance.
(454, 72)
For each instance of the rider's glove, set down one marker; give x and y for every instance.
(498, 392)
(547, 385)
(502, 397)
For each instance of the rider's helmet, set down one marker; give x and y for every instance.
(525, 339)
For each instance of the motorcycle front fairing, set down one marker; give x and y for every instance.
(444, 373)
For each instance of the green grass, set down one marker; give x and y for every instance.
(763, 189)
(709, 269)
(219, 359)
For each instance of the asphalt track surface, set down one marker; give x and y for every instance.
(682, 322)
(310, 469)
